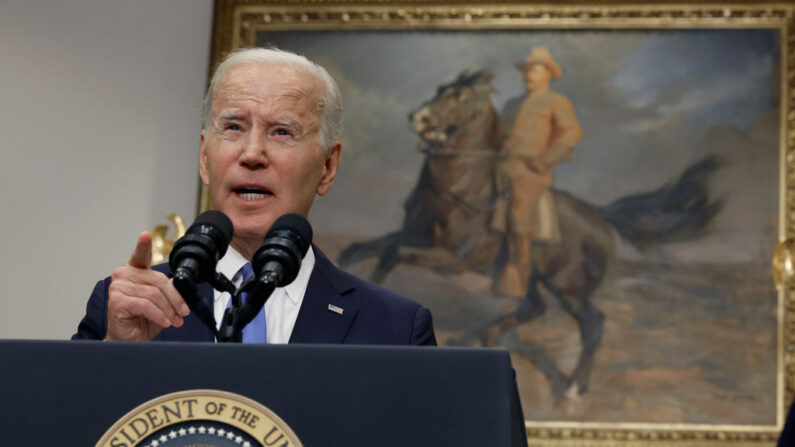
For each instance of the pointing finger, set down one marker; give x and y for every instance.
(143, 252)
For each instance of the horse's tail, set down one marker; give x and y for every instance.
(678, 211)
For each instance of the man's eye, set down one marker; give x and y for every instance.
(283, 132)
(234, 127)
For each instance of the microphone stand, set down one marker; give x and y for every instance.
(239, 314)
(186, 286)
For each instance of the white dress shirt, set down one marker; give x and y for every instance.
(281, 309)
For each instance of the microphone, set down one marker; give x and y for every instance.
(193, 260)
(279, 258)
(195, 255)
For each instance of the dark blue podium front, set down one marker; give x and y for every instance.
(70, 393)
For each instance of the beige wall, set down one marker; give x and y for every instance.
(99, 132)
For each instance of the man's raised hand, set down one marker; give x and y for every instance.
(142, 301)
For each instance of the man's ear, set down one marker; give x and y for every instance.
(203, 162)
(330, 165)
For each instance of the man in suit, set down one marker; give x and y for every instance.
(270, 143)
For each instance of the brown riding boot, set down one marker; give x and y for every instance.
(516, 275)
(511, 282)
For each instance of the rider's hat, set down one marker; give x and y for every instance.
(540, 55)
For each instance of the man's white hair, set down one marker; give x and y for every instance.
(331, 120)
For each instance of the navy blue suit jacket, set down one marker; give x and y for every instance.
(371, 314)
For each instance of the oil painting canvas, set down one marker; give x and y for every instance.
(644, 292)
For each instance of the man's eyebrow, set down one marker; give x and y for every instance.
(226, 116)
(285, 123)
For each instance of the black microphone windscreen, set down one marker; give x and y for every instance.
(218, 220)
(297, 224)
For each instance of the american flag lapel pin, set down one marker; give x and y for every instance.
(335, 309)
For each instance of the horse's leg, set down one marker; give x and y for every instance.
(591, 322)
(388, 260)
(490, 333)
(581, 280)
(359, 251)
(438, 259)
(499, 332)
(558, 382)
(529, 309)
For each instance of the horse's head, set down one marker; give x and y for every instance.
(455, 106)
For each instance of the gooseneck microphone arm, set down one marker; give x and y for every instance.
(186, 286)
(275, 264)
(239, 314)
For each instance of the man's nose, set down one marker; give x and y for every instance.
(254, 154)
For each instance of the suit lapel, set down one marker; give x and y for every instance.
(326, 290)
(202, 331)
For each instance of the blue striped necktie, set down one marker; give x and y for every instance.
(256, 330)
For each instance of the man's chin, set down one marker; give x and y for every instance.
(250, 232)
(255, 225)
(251, 226)
(247, 241)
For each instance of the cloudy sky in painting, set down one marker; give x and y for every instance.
(713, 87)
(650, 103)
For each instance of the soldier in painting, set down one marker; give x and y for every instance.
(544, 134)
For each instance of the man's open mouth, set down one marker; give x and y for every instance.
(252, 193)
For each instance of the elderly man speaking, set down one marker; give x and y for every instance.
(270, 144)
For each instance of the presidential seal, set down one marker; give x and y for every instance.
(200, 418)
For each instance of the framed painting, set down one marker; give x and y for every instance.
(645, 310)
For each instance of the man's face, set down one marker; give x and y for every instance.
(261, 156)
(537, 77)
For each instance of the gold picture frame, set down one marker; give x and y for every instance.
(238, 22)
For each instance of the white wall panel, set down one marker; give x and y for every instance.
(100, 108)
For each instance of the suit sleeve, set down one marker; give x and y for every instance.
(422, 330)
(788, 433)
(94, 324)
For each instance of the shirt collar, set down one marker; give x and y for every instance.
(233, 261)
(296, 289)
(229, 266)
